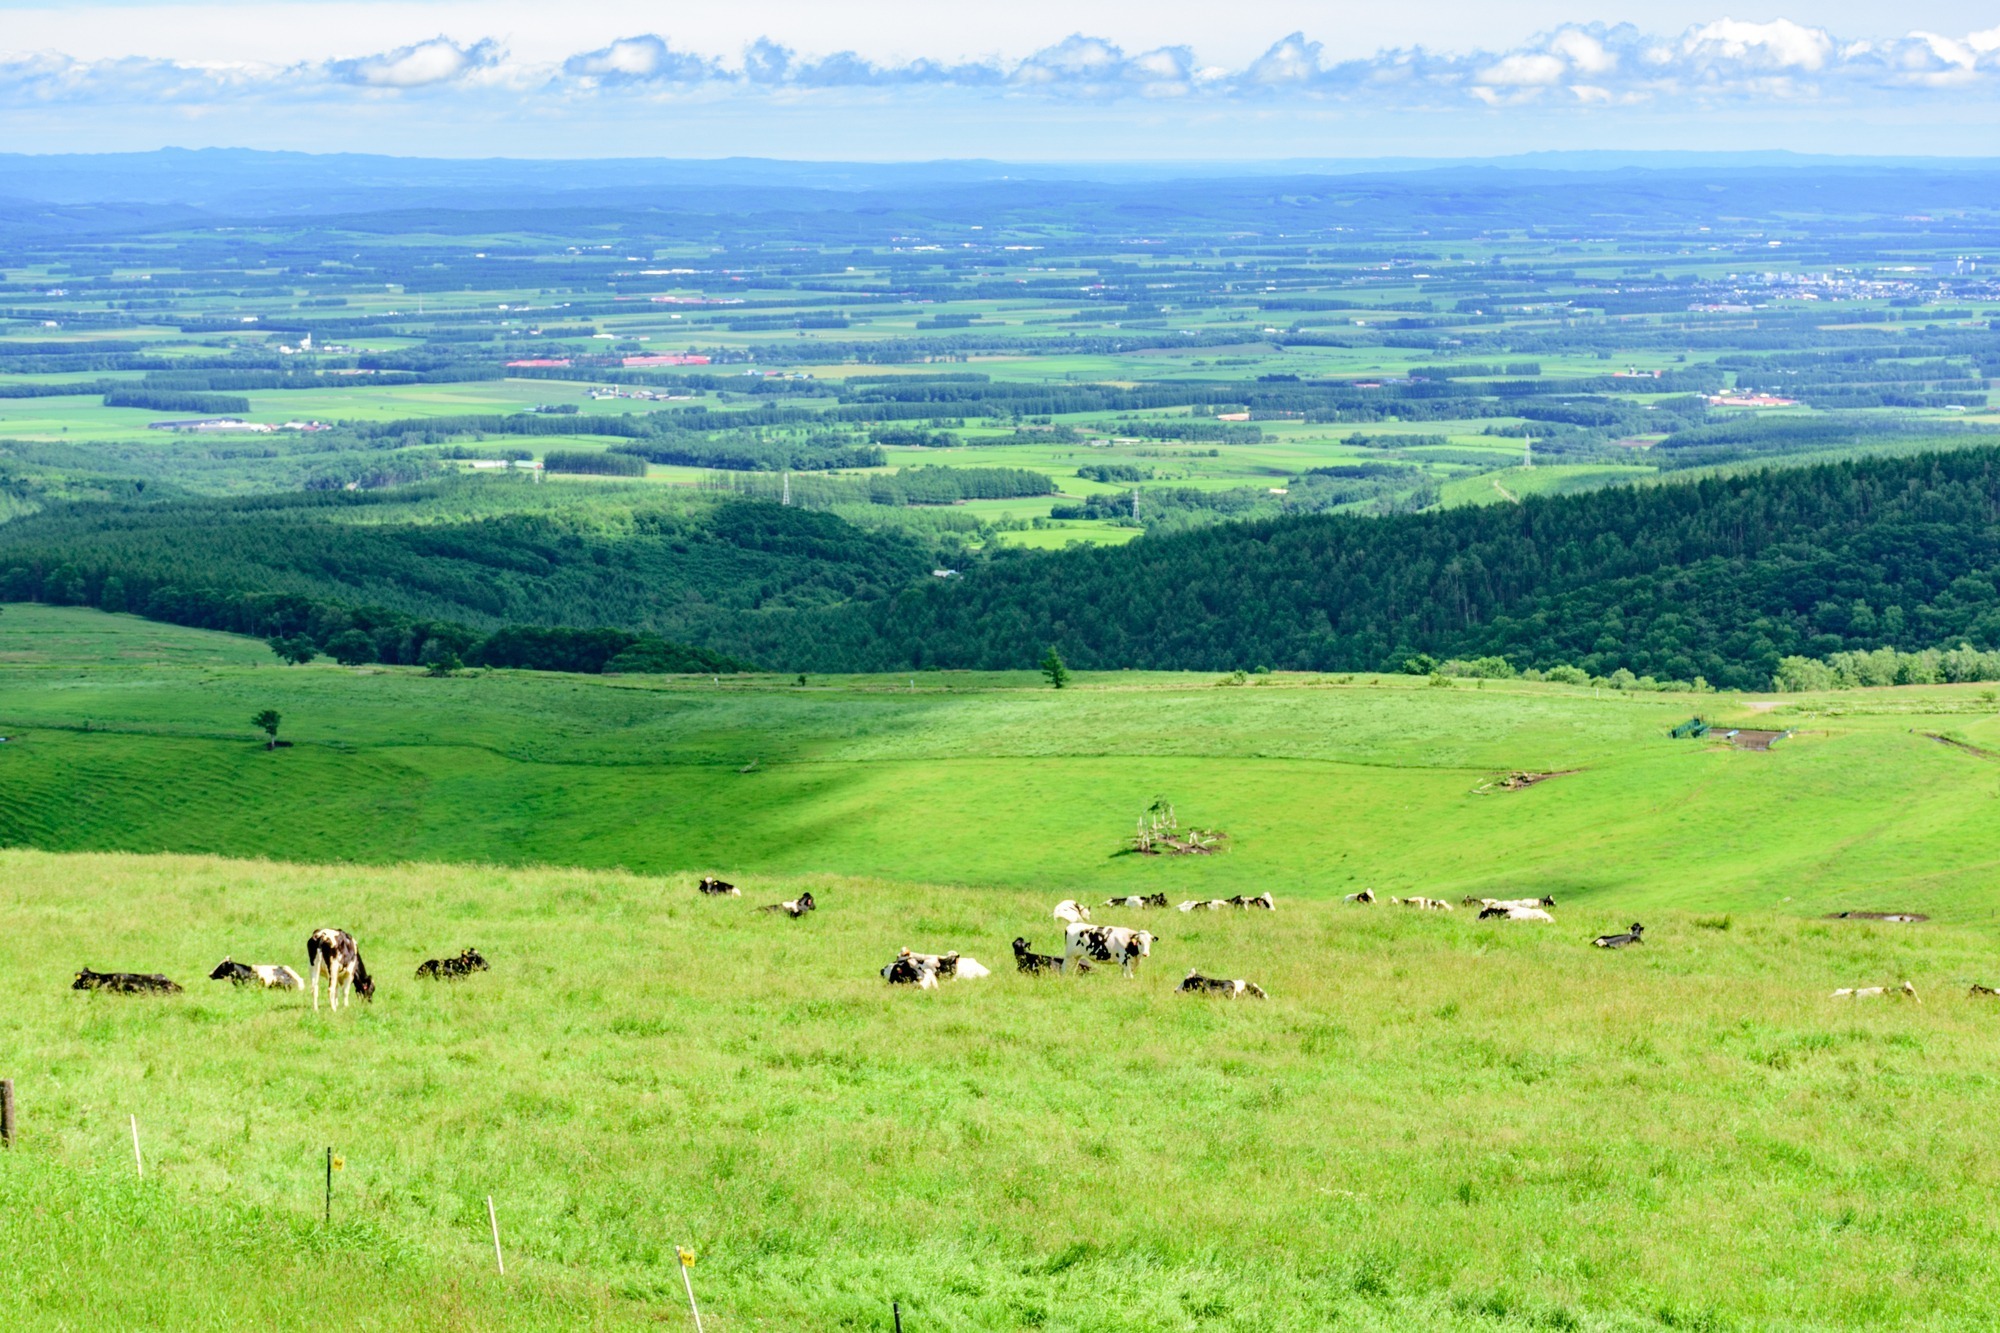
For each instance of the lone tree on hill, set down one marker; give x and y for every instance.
(351, 647)
(1055, 668)
(267, 722)
(297, 650)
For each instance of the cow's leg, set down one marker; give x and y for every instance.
(315, 971)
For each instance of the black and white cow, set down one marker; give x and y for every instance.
(1197, 984)
(1631, 936)
(1035, 964)
(1366, 897)
(1505, 912)
(335, 953)
(1263, 900)
(1105, 944)
(1138, 900)
(794, 909)
(717, 888)
(451, 969)
(271, 976)
(907, 971)
(126, 983)
(1070, 911)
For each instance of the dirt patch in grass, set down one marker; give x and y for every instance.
(1519, 781)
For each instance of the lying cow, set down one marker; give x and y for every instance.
(1071, 911)
(1035, 964)
(451, 969)
(933, 968)
(1366, 896)
(1197, 984)
(1876, 992)
(1138, 900)
(717, 888)
(1631, 936)
(271, 976)
(1978, 989)
(794, 909)
(906, 971)
(126, 983)
(1204, 905)
(1515, 913)
(1106, 944)
(1423, 904)
(1263, 900)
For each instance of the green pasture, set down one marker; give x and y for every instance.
(1325, 784)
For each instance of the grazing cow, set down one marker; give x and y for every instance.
(716, 888)
(335, 953)
(451, 969)
(1514, 913)
(1632, 936)
(1106, 944)
(1876, 992)
(1366, 896)
(794, 909)
(1197, 984)
(1034, 964)
(125, 983)
(271, 976)
(1071, 911)
(1424, 904)
(1138, 900)
(1263, 900)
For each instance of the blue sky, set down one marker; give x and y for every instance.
(1027, 80)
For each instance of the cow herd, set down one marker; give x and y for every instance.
(1086, 945)
(1502, 909)
(331, 954)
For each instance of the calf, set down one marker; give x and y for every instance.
(1197, 984)
(1106, 944)
(1072, 911)
(1366, 896)
(125, 983)
(1034, 964)
(1631, 936)
(1263, 900)
(1514, 913)
(451, 969)
(1876, 992)
(335, 953)
(271, 976)
(716, 888)
(1138, 900)
(1424, 904)
(794, 909)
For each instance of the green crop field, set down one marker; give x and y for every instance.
(1433, 1121)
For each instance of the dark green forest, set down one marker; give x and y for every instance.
(1718, 578)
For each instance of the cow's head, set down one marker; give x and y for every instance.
(1142, 943)
(83, 980)
(364, 986)
(805, 902)
(472, 959)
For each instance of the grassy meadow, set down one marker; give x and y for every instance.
(1433, 1121)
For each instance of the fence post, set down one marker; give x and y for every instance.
(141, 1161)
(687, 1262)
(896, 1308)
(6, 1112)
(494, 1218)
(329, 1185)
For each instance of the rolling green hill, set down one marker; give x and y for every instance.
(1325, 784)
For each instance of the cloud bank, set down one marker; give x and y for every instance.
(1584, 66)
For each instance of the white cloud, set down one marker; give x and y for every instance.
(1583, 66)
(439, 60)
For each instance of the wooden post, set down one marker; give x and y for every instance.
(6, 1112)
(896, 1307)
(329, 1185)
(494, 1218)
(135, 1146)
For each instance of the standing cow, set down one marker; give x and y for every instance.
(335, 953)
